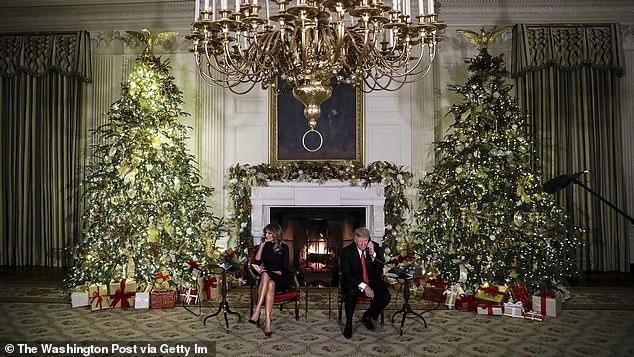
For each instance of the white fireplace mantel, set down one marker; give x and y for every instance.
(314, 194)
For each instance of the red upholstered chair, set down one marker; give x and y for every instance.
(360, 300)
(282, 298)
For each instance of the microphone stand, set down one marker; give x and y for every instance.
(575, 180)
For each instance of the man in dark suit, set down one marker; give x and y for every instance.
(356, 258)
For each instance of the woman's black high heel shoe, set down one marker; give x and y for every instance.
(255, 322)
(268, 333)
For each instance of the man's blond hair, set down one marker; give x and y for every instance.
(361, 232)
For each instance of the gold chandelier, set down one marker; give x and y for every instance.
(310, 44)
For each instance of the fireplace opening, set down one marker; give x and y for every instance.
(315, 235)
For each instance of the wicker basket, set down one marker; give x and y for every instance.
(162, 299)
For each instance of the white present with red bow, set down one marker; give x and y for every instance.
(547, 303)
(486, 309)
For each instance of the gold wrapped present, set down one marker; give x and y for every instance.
(99, 299)
(495, 295)
(122, 293)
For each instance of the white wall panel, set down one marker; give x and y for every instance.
(383, 143)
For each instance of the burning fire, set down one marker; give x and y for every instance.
(319, 250)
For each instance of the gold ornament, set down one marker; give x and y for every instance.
(167, 206)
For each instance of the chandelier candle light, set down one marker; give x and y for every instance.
(310, 45)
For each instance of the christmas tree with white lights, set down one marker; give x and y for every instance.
(145, 208)
(483, 215)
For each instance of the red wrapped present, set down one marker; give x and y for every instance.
(519, 293)
(189, 296)
(162, 299)
(467, 303)
(434, 289)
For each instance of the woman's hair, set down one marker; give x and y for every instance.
(277, 235)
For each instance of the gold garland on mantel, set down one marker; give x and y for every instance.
(394, 178)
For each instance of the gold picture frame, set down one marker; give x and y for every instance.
(341, 125)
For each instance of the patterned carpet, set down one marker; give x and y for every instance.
(594, 322)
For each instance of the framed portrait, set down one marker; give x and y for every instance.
(340, 125)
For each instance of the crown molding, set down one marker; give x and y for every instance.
(177, 15)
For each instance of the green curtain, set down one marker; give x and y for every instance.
(42, 86)
(568, 83)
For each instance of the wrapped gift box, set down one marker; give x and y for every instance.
(450, 299)
(79, 299)
(165, 299)
(434, 290)
(547, 303)
(98, 295)
(209, 285)
(451, 296)
(495, 295)
(122, 293)
(533, 316)
(188, 296)
(485, 309)
(518, 293)
(467, 303)
(514, 309)
(163, 281)
(141, 300)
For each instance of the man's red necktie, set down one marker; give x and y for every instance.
(366, 280)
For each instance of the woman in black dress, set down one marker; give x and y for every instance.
(272, 256)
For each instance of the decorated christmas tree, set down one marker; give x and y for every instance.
(145, 209)
(483, 216)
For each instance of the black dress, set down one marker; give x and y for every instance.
(276, 261)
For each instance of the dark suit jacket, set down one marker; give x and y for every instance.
(352, 271)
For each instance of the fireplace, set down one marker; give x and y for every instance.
(318, 218)
(315, 235)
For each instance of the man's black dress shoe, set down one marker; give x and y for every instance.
(367, 321)
(347, 331)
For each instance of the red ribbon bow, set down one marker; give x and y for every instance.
(543, 294)
(192, 265)
(160, 275)
(120, 294)
(97, 295)
(492, 291)
(210, 282)
(489, 308)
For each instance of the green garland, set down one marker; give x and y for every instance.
(394, 178)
